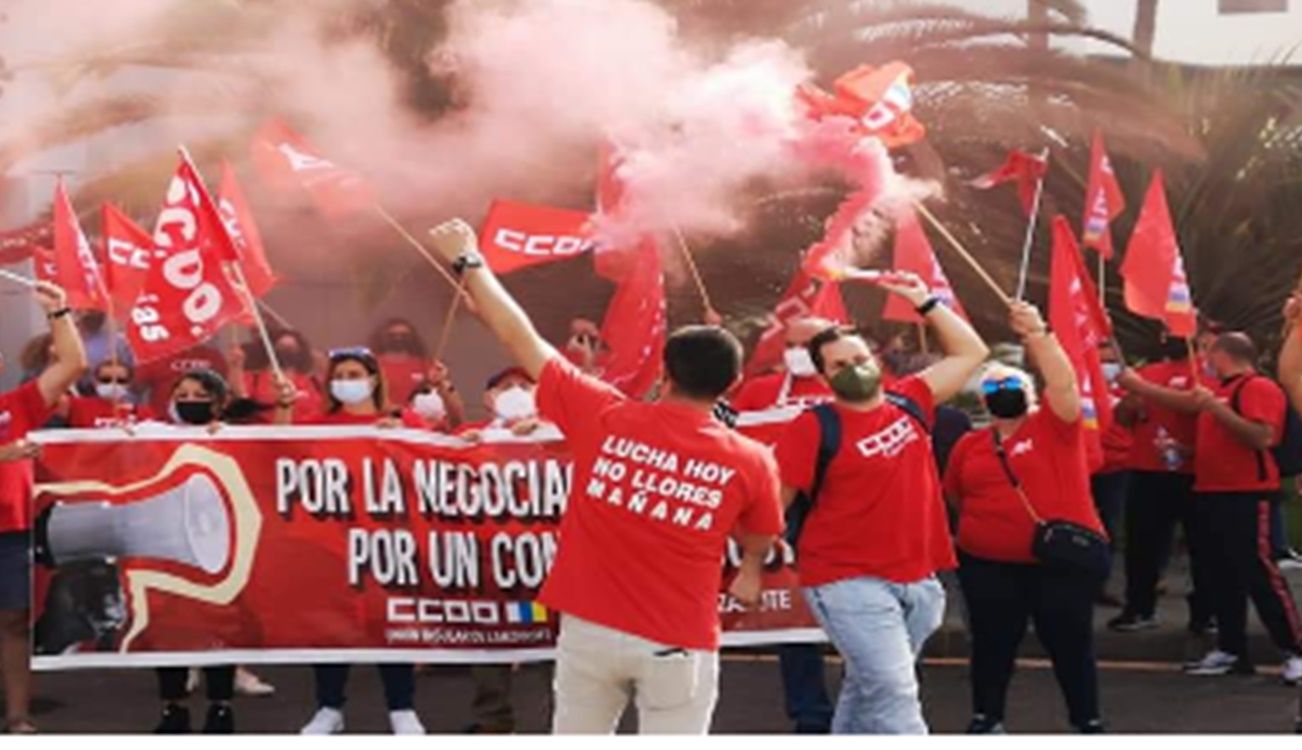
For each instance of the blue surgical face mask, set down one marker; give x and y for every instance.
(351, 392)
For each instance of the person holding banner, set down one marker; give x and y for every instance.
(403, 356)
(252, 376)
(1008, 481)
(113, 403)
(658, 490)
(357, 394)
(23, 410)
(874, 535)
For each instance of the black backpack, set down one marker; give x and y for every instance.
(829, 443)
(1288, 454)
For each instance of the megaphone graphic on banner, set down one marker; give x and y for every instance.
(187, 524)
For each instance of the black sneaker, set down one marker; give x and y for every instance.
(982, 724)
(221, 719)
(176, 720)
(1094, 726)
(1129, 622)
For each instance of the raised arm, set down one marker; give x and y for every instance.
(69, 354)
(1060, 387)
(1171, 398)
(1290, 356)
(499, 311)
(964, 350)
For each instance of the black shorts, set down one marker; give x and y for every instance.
(15, 571)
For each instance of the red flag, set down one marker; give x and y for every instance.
(519, 235)
(826, 258)
(1104, 200)
(1072, 317)
(806, 297)
(239, 223)
(128, 253)
(17, 245)
(286, 159)
(78, 271)
(1153, 269)
(43, 264)
(636, 322)
(1027, 169)
(913, 253)
(880, 100)
(187, 295)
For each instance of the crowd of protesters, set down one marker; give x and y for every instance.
(877, 480)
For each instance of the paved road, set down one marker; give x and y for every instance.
(1137, 699)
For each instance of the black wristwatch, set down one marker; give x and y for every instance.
(927, 306)
(60, 313)
(467, 261)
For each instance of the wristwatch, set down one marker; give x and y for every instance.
(928, 306)
(60, 313)
(467, 261)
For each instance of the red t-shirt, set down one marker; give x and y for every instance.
(1232, 466)
(21, 411)
(261, 387)
(879, 512)
(658, 488)
(158, 377)
(94, 412)
(1118, 443)
(1048, 457)
(403, 373)
(1159, 423)
(409, 419)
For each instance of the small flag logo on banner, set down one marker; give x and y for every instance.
(525, 613)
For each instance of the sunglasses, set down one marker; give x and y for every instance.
(1010, 383)
(351, 352)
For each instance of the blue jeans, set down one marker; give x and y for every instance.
(879, 627)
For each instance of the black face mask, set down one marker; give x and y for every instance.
(1006, 404)
(196, 413)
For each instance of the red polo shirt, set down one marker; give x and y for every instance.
(1227, 464)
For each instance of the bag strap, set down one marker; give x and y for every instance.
(910, 407)
(829, 443)
(1235, 402)
(1012, 478)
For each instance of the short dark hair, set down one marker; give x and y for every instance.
(825, 337)
(702, 361)
(1237, 345)
(211, 380)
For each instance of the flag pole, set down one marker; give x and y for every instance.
(17, 278)
(1193, 360)
(962, 251)
(448, 320)
(1103, 281)
(280, 319)
(696, 272)
(1031, 223)
(420, 248)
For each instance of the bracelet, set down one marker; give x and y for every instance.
(62, 312)
(927, 306)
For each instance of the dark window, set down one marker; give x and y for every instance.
(1253, 6)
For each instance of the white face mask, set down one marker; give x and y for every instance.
(1110, 371)
(351, 391)
(798, 362)
(515, 403)
(429, 406)
(111, 391)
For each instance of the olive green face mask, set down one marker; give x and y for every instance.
(858, 383)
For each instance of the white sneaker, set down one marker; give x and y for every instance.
(1292, 672)
(405, 722)
(191, 680)
(325, 721)
(247, 683)
(1214, 664)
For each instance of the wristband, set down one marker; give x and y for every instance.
(467, 261)
(62, 312)
(928, 306)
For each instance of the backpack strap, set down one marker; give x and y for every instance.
(829, 443)
(1235, 401)
(910, 407)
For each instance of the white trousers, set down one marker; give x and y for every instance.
(598, 670)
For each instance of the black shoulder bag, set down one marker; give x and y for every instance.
(1060, 545)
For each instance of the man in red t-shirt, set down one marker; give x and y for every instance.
(21, 411)
(876, 532)
(1236, 481)
(658, 489)
(1162, 460)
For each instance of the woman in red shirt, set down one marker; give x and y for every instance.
(1003, 584)
(112, 403)
(356, 395)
